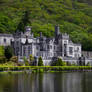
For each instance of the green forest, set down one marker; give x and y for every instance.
(73, 16)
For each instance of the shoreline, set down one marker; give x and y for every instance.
(42, 69)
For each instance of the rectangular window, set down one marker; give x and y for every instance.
(37, 54)
(4, 40)
(71, 50)
(77, 48)
(37, 47)
(41, 47)
(17, 49)
(54, 47)
(29, 50)
(24, 51)
(48, 47)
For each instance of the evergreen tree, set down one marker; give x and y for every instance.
(59, 62)
(8, 52)
(40, 61)
(24, 21)
(31, 59)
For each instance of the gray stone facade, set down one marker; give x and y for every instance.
(25, 44)
(6, 39)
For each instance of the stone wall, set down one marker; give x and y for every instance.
(5, 39)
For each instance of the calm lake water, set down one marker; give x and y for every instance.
(46, 82)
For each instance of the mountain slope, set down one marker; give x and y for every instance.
(73, 16)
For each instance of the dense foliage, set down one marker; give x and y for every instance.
(26, 61)
(59, 62)
(40, 61)
(8, 52)
(2, 56)
(31, 58)
(1, 51)
(10, 67)
(73, 16)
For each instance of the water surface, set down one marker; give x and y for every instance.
(46, 82)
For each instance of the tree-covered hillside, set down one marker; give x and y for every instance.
(73, 16)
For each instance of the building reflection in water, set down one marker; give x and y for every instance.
(45, 82)
(50, 82)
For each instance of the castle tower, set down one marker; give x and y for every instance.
(28, 31)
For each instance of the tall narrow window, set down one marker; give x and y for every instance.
(48, 46)
(71, 50)
(29, 50)
(4, 40)
(65, 53)
(77, 48)
(24, 51)
(54, 47)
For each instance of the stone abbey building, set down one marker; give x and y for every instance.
(25, 44)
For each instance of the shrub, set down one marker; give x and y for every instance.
(73, 64)
(2, 59)
(40, 61)
(59, 62)
(26, 61)
(31, 60)
(68, 64)
(14, 59)
(88, 64)
(41, 70)
(8, 52)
